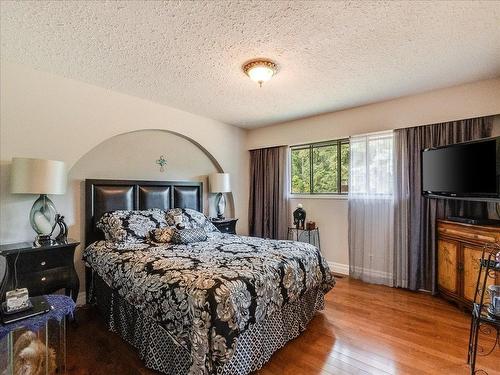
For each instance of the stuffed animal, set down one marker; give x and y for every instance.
(30, 356)
(162, 235)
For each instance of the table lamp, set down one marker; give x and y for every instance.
(219, 183)
(39, 176)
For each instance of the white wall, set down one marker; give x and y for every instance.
(465, 101)
(48, 116)
(471, 100)
(133, 156)
(330, 215)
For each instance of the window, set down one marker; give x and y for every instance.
(371, 169)
(320, 168)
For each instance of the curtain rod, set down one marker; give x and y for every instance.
(263, 148)
(373, 133)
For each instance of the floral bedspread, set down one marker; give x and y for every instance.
(206, 293)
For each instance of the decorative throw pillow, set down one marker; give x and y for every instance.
(130, 226)
(185, 236)
(162, 235)
(190, 219)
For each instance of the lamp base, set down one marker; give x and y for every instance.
(220, 204)
(41, 241)
(43, 220)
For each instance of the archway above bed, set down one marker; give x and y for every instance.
(132, 156)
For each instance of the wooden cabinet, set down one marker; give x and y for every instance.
(448, 265)
(42, 270)
(459, 248)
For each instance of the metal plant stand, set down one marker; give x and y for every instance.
(481, 321)
(310, 236)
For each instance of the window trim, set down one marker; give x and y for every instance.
(310, 146)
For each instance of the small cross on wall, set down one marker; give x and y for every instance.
(162, 162)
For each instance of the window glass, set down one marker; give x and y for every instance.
(320, 168)
(344, 167)
(371, 165)
(301, 172)
(325, 171)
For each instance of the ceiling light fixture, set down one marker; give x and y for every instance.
(260, 70)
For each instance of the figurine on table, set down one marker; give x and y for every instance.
(63, 229)
(299, 217)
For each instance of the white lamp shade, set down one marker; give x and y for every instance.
(37, 176)
(219, 183)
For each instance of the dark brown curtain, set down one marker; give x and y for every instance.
(423, 212)
(268, 210)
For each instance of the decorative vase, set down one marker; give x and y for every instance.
(220, 204)
(43, 219)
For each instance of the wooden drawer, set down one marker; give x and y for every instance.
(470, 233)
(44, 282)
(38, 261)
(226, 226)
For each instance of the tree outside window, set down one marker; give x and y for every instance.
(320, 168)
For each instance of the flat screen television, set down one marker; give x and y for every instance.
(463, 170)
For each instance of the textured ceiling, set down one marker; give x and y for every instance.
(332, 55)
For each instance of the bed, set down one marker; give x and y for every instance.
(221, 306)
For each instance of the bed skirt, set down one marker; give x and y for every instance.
(161, 352)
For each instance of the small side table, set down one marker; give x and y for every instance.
(43, 270)
(45, 334)
(227, 225)
(310, 236)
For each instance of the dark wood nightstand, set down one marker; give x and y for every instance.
(42, 270)
(227, 225)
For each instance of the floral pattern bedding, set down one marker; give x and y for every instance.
(131, 226)
(206, 293)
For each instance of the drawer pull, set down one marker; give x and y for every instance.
(44, 278)
(43, 263)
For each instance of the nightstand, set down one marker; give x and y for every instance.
(227, 225)
(42, 270)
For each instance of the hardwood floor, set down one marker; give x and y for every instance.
(364, 329)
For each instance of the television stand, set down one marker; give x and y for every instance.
(474, 220)
(459, 250)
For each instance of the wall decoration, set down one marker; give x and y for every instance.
(162, 162)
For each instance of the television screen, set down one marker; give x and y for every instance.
(463, 170)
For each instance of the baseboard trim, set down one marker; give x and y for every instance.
(81, 299)
(340, 268)
(371, 273)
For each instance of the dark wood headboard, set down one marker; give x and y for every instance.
(108, 195)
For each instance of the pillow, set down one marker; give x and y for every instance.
(162, 235)
(130, 226)
(189, 219)
(185, 236)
